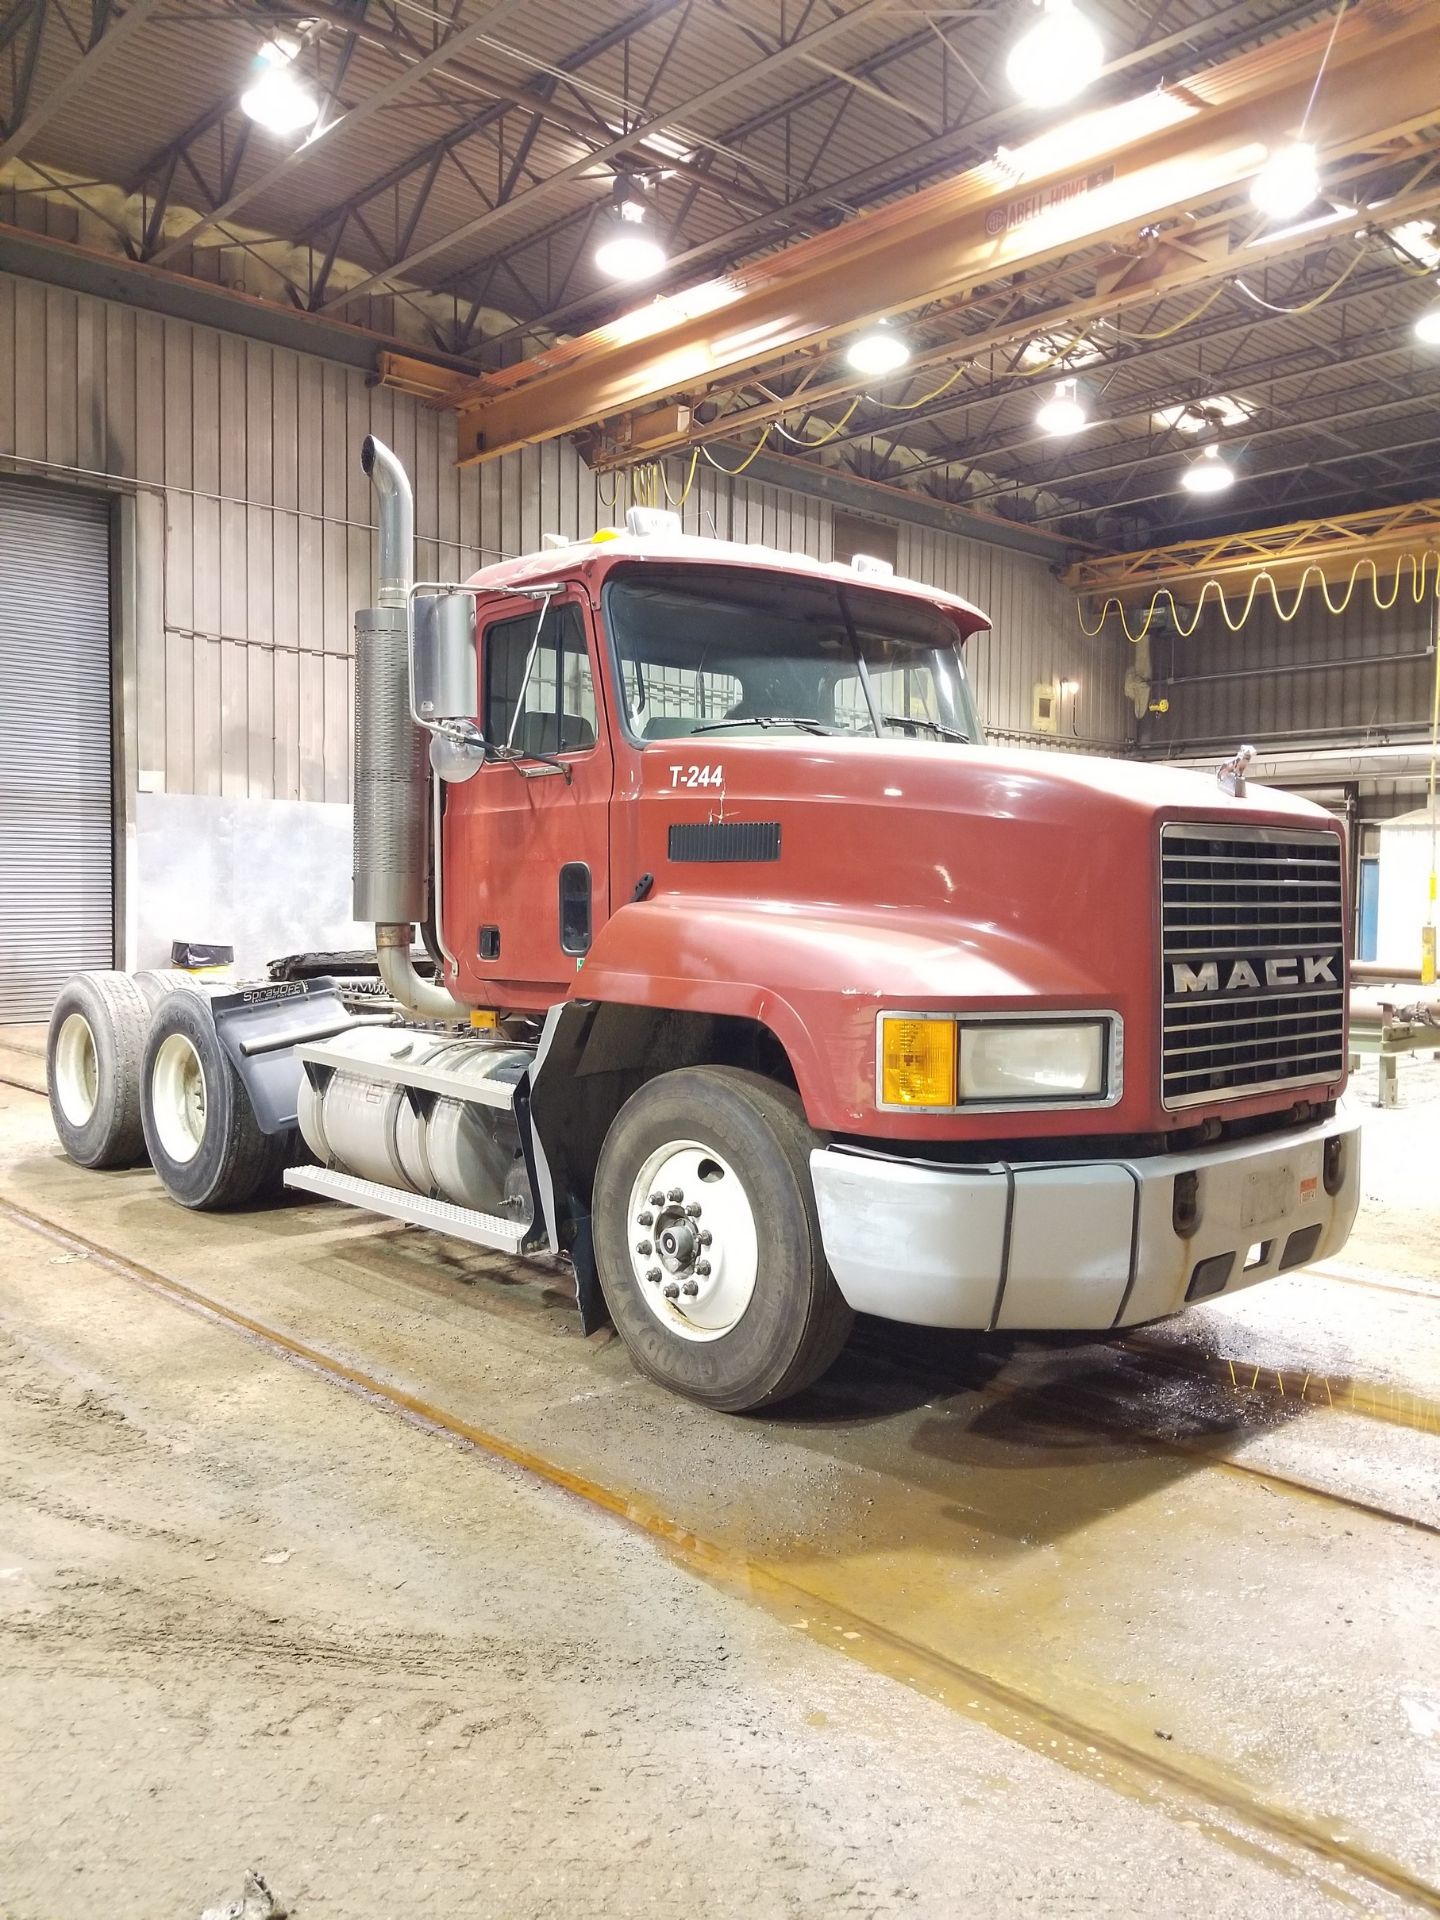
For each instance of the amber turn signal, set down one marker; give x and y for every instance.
(917, 1062)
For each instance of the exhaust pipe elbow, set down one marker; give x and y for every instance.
(397, 520)
(421, 998)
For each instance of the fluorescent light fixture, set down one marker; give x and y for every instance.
(1064, 412)
(629, 251)
(1069, 686)
(1058, 58)
(1288, 182)
(879, 351)
(1211, 473)
(278, 100)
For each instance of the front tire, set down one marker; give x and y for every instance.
(204, 1140)
(92, 1069)
(707, 1241)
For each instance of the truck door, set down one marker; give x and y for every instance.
(527, 849)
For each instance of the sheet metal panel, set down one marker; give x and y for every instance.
(1359, 675)
(244, 678)
(56, 846)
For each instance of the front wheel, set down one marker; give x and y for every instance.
(707, 1241)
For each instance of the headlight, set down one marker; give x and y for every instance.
(937, 1061)
(1029, 1061)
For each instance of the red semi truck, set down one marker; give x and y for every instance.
(765, 993)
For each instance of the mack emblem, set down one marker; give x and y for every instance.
(1265, 973)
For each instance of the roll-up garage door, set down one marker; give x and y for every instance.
(56, 807)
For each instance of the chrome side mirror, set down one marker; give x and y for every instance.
(457, 750)
(444, 683)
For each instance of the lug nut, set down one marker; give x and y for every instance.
(690, 1288)
(702, 1267)
(672, 1292)
(646, 1219)
(644, 1247)
(676, 1193)
(704, 1236)
(693, 1209)
(657, 1199)
(653, 1275)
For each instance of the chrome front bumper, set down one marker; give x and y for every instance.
(1077, 1244)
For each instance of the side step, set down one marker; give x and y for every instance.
(461, 1223)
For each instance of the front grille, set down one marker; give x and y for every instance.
(1252, 968)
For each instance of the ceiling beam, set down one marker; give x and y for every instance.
(112, 41)
(1237, 321)
(1100, 177)
(1391, 447)
(1051, 478)
(966, 137)
(626, 142)
(1329, 546)
(356, 116)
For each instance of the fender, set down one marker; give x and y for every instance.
(260, 1027)
(816, 977)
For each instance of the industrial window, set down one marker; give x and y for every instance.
(545, 667)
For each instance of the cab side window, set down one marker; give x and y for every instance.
(539, 692)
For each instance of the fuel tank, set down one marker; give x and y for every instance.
(360, 1119)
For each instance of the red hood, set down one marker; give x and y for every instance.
(917, 877)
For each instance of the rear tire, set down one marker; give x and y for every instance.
(156, 982)
(92, 1069)
(204, 1140)
(749, 1314)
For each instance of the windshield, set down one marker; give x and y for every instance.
(709, 649)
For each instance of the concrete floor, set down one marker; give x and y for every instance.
(1147, 1627)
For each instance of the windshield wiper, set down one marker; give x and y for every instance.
(930, 726)
(803, 721)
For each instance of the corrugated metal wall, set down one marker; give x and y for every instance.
(1361, 675)
(259, 535)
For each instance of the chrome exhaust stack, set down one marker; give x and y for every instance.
(392, 775)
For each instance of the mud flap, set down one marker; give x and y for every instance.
(567, 1027)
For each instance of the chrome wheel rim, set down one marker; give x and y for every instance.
(178, 1097)
(694, 1245)
(77, 1070)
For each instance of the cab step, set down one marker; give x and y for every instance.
(441, 1216)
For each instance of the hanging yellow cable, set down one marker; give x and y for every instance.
(1164, 333)
(1419, 568)
(674, 500)
(840, 425)
(720, 466)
